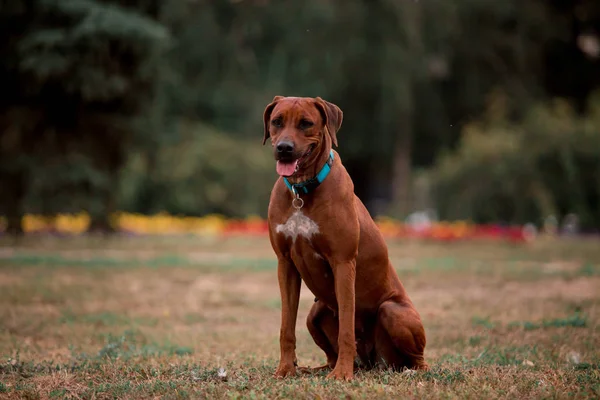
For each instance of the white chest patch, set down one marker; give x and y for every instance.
(298, 224)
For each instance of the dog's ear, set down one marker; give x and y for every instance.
(267, 117)
(332, 117)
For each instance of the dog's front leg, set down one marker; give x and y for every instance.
(289, 286)
(345, 277)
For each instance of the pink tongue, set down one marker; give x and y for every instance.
(286, 169)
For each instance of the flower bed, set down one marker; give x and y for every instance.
(165, 224)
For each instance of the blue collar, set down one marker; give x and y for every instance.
(311, 184)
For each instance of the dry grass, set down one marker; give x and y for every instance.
(159, 317)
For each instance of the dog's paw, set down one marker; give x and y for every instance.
(341, 374)
(285, 370)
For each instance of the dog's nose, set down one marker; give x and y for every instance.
(285, 147)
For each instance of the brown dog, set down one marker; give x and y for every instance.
(323, 234)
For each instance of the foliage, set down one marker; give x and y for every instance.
(79, 76)
(203, 172)
(133, 105)
(546, 164)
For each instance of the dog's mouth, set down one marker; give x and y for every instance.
(288, 168)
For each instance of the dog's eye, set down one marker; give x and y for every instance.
(305, 124)
(277, 122)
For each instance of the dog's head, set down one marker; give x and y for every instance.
(301, 129)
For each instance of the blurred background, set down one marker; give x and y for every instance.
(473, 110)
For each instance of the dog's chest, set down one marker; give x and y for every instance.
(297, 225)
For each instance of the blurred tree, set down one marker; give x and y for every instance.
(204, 172)
(524, 172)
(93, 100)
(79, 74)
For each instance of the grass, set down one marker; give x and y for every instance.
(199, 318)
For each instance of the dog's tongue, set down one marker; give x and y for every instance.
(286, 169)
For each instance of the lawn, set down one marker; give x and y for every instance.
(191, 317)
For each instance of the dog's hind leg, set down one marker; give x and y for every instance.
(399, 337)
(323, 326)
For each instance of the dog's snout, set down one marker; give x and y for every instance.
(285, 147)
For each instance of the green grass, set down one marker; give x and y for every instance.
(199, 318)
(577, 321)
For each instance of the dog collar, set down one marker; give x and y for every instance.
(311, 184)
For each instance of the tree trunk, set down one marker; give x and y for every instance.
(110, 157)
(100, 222)
(14, 225)
(401, 170)
(15, 195)
(401, 178)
